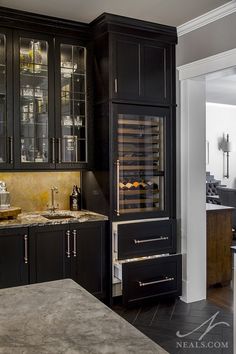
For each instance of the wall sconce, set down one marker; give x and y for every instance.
(227, 148)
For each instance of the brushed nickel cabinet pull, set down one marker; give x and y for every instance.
(74, 238)
(155, 282)
(117, 188)
(162, 238)
(68, 244)
(26, 249)
(59, 150)
(53, 150)
(10, 149)
(116, 85)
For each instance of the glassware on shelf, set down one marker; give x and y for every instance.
(68, 68)
(27, 91)
(67, 121)
(78, 121)
(39, 157)
(35, 57)
(23, 151)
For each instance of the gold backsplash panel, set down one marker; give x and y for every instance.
(31, 190)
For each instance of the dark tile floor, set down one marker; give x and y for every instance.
(163, 320)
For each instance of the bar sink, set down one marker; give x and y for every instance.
(57, 216)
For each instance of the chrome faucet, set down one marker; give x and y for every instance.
(53, 208)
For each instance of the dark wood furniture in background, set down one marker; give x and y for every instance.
(219, 241)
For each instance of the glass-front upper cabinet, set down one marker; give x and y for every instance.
(6, 119)
(34, 105)
(72, 110)
(141, 165)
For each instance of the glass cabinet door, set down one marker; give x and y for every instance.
(73, 122)
(34, 91)
(6, 119)
(3, 100)
(140, 165)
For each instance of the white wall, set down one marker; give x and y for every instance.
(221, 119)
(193, 189)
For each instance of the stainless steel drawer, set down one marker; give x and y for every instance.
(146, 239)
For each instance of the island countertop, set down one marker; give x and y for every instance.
(36, 219)
(61, 317)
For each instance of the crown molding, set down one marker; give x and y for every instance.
(208, 65)
(207, 18)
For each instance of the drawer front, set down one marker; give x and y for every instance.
(151, 278)
(146, 239)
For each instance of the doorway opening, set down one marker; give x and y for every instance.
(191, 173)
(220, 184)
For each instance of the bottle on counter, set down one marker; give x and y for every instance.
(75, 199)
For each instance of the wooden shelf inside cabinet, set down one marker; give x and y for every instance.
(139, 201)
(138, 131)
(138, 167)
(139, 191)
(136, 210)
(137, 158)
(142, 140)
(136, 148)
(138, 122)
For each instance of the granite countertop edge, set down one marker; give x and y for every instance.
(31, 219)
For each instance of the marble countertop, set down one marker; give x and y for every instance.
(217, 207)
(36, 218)
(61, 317)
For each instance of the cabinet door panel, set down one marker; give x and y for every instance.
(6, 112)
(13, 257)
(34, 106)
(89, 260)
(47, 249)
(71, 103)
(126, 83)
(154, 67)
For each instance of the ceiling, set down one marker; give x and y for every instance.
(169, 12)
(221, 87)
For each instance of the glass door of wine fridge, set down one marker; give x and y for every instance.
(141, 164)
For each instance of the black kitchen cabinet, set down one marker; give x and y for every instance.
(74, 251)
(88, 257)
(49, 247)
(48, 92)
(141, 70)
(14, 257)
(133, 179)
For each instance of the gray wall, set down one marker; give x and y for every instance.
(216, 37)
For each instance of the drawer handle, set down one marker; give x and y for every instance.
(162, 238)
(68, 244)
(26, 249)
(117, 163)
(155, 282)
(74, 237)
